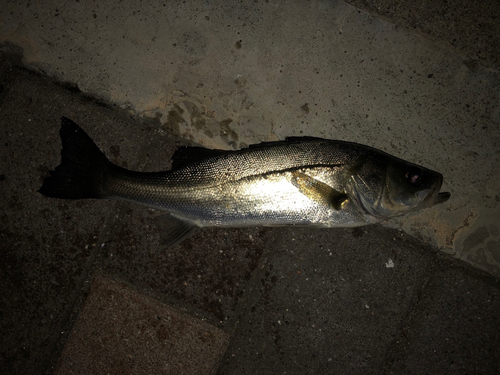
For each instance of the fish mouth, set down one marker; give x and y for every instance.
(442, 197)
(439, 197)
(435, 197)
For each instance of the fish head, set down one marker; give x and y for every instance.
(386, 186)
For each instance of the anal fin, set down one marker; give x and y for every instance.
(173, 230)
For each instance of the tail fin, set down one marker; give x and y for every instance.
(82, 166)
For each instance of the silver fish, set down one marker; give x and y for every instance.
(301, 181)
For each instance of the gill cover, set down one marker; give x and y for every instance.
(385, 186)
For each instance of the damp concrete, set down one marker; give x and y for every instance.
(419, 81)
(89, 287)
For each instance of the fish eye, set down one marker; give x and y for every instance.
(413, 175)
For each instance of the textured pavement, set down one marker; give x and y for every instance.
(87, 286)
(419, 80)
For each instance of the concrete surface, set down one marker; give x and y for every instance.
(87, 286)
(344, 302)
(470, 29)
(228, 74)
(422, 83)
(120, 331)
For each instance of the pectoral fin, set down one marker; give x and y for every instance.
(318, 191)
(173, 230)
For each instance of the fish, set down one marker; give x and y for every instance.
(300, 181)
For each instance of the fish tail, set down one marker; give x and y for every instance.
(82, 166)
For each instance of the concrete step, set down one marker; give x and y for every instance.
(88, 287)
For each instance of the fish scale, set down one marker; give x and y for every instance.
(301, 181)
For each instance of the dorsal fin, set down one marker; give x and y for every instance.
(287, 140)
(303, 138)
(186, 155)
